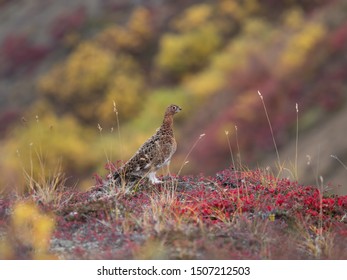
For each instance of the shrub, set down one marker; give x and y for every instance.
(182, 53)
(196, 38)
(38, 148)
(131, 38)
(93, 76)
(67, 25)
(19, 53)
(29, 233)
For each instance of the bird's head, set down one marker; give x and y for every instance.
(173, 109)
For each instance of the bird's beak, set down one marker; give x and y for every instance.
(178, 109)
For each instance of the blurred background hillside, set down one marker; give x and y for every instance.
(84, 82)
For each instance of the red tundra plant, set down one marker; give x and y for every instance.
(19, 53)
(7, 118)
(256, 193)
(108, 222)
(338, 38)
(68, 23)
(213, 200)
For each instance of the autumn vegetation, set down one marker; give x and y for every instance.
(94, 90)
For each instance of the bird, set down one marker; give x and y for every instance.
(154, 154)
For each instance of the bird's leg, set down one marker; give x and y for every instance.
(154, 180)
(168, 169)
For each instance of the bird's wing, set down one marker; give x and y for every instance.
(142, 161)
(155, 152)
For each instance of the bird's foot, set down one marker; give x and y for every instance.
(154, 180)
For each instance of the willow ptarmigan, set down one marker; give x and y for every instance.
(155, 153)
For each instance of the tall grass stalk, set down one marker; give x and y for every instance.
(185, 161)
(108, 159)
(296, 143)
(230, 150)
(271, 130)
(108, 155)
(115, 110)
(317, 166)
(321, 190)
(238, 148)
(339, 161)
(31, 175)
(238, 171)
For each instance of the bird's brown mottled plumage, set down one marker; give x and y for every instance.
(155, 153)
